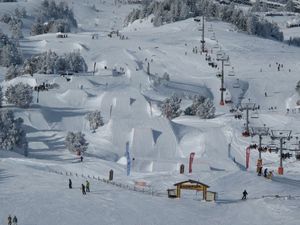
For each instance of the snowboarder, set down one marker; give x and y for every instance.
(9, 220)
(83, 189)
(70, 183)
(266, 172)
(15, 220)
(87, 186)
(244, 195)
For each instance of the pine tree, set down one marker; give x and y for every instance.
(171, 107)
(75, 142)
(12, 72)
(20, 95)
(95, 119)
(12, 134)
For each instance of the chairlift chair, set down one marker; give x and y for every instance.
(220, 54)
(216, 46)
(227, 63)
(228, 99)
(231, 73)
(213, 37)
(255, 115)
(236, 84)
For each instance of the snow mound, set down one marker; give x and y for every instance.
(22, 79)
(73, 97)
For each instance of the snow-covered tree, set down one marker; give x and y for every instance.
(290, 6)
(20, 95)
(76, 62)
(12, 72)
(171, 107)
(95, 119)
(206, 110)
(75, 142)
(256, 6)
(16, 30)
(49, 62)
(197, 101)
(202, 107)
(54, 17)
(12, 134)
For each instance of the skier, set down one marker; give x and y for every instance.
(266, 94)
(15, 220)
(70, 183)
(266, 172)
(81, 158)
(87, 186)
(244, 195)
(9, 220)
(83, 189)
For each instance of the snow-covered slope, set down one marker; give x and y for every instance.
(35, 188)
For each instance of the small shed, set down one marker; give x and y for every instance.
(193, 185)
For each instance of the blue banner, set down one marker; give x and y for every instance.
(128, 158)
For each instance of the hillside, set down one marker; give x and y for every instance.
(35, 188)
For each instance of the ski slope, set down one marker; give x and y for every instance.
(35, 188)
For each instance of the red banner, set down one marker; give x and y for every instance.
(247, 157)
(191, 161)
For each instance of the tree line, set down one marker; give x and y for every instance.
(168, 11)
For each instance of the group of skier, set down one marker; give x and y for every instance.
(12, 221)
(267, 174)
(84, 188)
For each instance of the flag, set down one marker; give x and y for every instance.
(192, 155)
(131, 101)
(155, 135)
(128, 158)
(247, 157)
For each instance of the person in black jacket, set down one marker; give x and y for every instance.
(15, 220)
(70, 183)
(244, 195)
(83, 189)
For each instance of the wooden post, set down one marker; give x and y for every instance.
(204, 193)
(178, 191)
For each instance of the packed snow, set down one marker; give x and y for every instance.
(35, 188)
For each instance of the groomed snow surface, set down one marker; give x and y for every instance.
(36, 188)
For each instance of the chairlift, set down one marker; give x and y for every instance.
(236, 84)
(213, 37)
(231, 72)
(227, 63)
(255, 115)
(220, 54)
(228, 99)
(216, 45)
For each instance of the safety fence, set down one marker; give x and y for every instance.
(148, 190)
